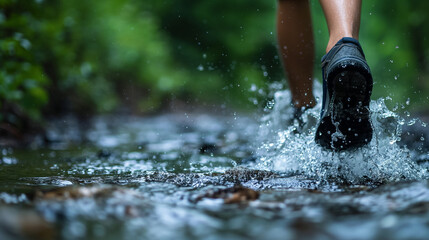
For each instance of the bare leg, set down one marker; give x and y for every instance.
(296, 45)
(347, 81)
(343, 18)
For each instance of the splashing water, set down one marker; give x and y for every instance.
(170, 176)
(382, 160)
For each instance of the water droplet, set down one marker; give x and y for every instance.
(253, 87)
(200, 68)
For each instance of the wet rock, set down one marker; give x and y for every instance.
(417, 208)
(241, 174)
(51, 137)
(181, 179)
(344, 209)
(307, 229)
(208, 148)
(236, 194)
(22, 224)
(242, 195)
(317, 191)
(100, 202)
(358, 188)
(75, 192)
(104, 153)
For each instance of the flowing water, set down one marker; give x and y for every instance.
(203, 176)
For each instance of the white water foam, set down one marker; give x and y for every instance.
(382, 160)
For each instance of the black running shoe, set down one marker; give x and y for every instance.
(347, 86)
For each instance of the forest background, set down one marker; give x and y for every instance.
(142, 57)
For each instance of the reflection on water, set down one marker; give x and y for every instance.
(171, 177)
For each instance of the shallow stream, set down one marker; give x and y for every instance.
(203, 176)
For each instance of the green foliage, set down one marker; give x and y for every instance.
(397, 48)
(94, 56)
(22, 80)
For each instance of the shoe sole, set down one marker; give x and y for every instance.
(347, 123)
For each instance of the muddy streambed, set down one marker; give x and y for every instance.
(200, 176)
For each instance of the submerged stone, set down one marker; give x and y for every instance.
(24, 224)
(208, 148)
(76, 192)
(235, 194)
(241, 174)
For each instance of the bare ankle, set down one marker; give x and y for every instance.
(334, 38)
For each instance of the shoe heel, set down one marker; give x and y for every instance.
(347, 125)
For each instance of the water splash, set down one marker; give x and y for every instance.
(383, 160)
